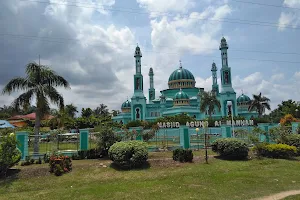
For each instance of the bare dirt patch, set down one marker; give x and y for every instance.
(280, 195)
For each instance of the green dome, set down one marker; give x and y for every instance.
(181, 95)
(181, 73)
(126, 104)
(243, 99)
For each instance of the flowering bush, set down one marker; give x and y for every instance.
(60, 164)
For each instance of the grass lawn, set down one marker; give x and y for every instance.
(294, 197)
(166, 179)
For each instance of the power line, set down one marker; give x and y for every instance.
(263, 4)
(56, 39)
(226, 20)
(64, 42)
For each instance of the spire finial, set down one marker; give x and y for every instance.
(180, 64)
(242, 92)
(137, 44)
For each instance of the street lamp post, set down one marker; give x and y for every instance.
(197, 131)
(205, 142)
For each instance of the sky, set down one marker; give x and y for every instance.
(91, 43)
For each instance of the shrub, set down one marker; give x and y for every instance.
(9, 154)
(230, 148)
(148, 135)
(129, 154)
(105, 138)
(183, 155)
(60, 164)
(275, 150)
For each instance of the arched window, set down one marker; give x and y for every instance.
(137, 113)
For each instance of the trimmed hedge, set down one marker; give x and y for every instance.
(183, 155)
(129, 154)
(276, 150)
(230, 148)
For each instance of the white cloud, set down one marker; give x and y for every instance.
(297, 75)
(276, 92)
(158, 7)
(277, 77)
(289, 18)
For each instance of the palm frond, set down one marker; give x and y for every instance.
(54, 96)
(49, 77)
(17, 84)
(23, 101)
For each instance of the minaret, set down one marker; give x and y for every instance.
(226, 85)
(138, 100)
(138, 77)
(151, 89)
(215, 86)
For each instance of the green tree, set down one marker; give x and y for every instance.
(39, 83)
(86, 112)
(9, 154)
(210, 101)
(286, 107)
(115, 112)
(106, 137)
(260, 104)
(101, 110)
(71, 110)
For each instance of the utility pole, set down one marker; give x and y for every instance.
(39, 60)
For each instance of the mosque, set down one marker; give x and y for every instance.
(182, 95)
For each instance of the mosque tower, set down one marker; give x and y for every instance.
(138, 100)
(151, 89)
(227, 94)
(215, 86)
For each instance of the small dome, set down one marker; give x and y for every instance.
(223, 39)
(181, 95)
(126, 104)
(243, 99)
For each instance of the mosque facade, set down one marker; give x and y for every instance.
(183, 96)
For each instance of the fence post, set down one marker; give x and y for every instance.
(184, 137)
(226, 131)
(22, 138)
(295, 126)
(264, 127)
(84, 139)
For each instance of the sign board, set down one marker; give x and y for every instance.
(205, 123)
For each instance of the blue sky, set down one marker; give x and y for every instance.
(95, 51)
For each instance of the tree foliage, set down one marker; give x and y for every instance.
(40, 83)
(9, 154)
(209, 101)
(260, 104)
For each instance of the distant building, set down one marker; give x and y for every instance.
(20, 120)
(182, 96)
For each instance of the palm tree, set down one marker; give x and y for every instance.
(39, 83)
(101, 110)
(71, 110)
(210, 101)
(260, 104)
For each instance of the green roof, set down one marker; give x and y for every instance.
(243, 99)
(181, 95)
(126, 104)
(181, 73)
